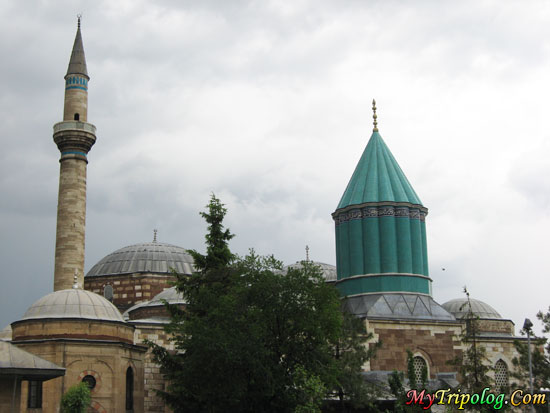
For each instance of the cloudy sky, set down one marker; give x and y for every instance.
(268, 105)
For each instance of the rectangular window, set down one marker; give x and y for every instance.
(35, 394)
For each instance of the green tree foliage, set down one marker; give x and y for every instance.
(351, 354)
(539, 358)
(218, 255)
(473, 365)
(311, 389)
(77, 399)
(251, 338)
(396, 383)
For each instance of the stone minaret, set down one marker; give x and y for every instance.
(74, 138)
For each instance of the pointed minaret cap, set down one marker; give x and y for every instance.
(77, 64)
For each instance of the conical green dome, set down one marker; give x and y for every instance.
(378, 178)
(380, 229)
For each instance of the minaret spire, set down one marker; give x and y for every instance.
(74, 138)
(374, 117)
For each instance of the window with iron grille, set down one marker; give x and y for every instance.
(501, 374)
(419, 365)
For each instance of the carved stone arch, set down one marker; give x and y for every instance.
(130, 363)
(496, 357)
(73, 362)
(423, 353)
(105, 364)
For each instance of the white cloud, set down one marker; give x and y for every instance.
(268, 105)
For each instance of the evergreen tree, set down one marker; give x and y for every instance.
(255, 339)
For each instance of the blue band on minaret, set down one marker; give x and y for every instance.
(76, 87)
(73, 153)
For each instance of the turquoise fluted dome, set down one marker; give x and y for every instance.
(378, 177)
(380, 229)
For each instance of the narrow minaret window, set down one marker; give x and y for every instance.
(74, 141)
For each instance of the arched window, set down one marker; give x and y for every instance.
(76, 116)
(420, 368)
(501, 374)
(129, 390)
(108, 292)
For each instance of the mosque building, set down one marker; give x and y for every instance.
(91, 328)
(382, 270)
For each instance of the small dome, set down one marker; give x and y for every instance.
(149, 257)
(171, 295)
(328, 271)
(459, 308)
(73, 303)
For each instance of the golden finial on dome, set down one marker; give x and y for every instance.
(155, 235)
(307, 253)
(374, 117)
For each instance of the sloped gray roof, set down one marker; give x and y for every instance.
(459, 308)
(171, 295)
(397, 306)
(73, 303)
(147, 257)
(15, 361)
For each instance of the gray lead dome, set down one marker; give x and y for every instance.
(148, 257)
(73, 303)
(328, 271)
(459, 308)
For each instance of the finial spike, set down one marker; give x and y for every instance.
(374, 116)
(155, 235)
(307, 253)
(79, 17)
(75, 278)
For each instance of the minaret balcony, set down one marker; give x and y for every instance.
(76, 125)
(74, 138)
